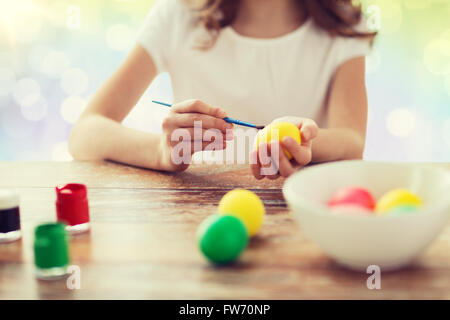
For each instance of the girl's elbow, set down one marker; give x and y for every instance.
(75, 143)
(359, 155)
(78, 143)
(355, 147)
(359, 146)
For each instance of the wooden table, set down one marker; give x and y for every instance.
(142, 243)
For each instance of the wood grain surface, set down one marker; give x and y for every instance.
(142, 241)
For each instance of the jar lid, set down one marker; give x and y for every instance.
(71, 191)
(9, 199)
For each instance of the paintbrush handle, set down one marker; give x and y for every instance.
(162, 103)
(227, 119)
(239, 122)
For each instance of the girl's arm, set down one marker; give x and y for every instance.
(347, 116)
(99, 134)
(343, 139)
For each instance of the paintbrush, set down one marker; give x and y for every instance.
(227, 119)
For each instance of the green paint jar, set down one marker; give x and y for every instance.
(51, 250)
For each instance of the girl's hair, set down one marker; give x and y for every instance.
(338, 17)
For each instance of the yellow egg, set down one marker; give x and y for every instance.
(397, 197)
(280, 130)
(246, 206)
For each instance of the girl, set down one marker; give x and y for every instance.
(302, 60)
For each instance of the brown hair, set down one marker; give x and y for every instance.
(338, 17)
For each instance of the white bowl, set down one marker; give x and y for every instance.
(358, 241)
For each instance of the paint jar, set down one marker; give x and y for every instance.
(9, 216)
(51, 251)
(72, 207)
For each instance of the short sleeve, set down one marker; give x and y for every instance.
(349, 48)
(160, 31)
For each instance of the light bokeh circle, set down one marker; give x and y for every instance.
(36, 57)
(72, 107)
(400, 122)
(26, 92)
(74, 81)
(437, 56)
(36, 111)
(55, 63)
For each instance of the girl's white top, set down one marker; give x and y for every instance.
(255, 80)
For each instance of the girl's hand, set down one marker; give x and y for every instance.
(192, 126)
(263, 164)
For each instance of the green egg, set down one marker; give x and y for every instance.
(222, 238)
(401, 210)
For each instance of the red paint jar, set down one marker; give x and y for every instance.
(72, 207)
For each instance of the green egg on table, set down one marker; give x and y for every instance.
(222, 238)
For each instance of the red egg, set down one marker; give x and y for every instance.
(354, 196)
